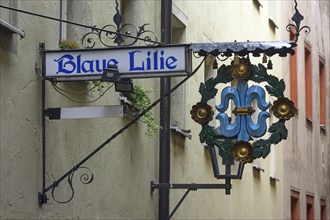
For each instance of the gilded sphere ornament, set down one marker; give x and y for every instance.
(241, 69)
(202, 113)
(242, 151)
(283, 108)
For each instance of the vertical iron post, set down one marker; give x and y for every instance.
(42, 198)
(228, 180)
(165, 111)
(61, 17)
(43, 119)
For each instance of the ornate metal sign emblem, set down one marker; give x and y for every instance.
(235, 137)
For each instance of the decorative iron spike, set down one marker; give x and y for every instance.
(117, 19)
(119, 34)
(297, 18)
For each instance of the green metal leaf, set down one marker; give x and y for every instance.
(210, 83)
(207, 135)
(209, 95)
(207, 90)
(272, 91)
(262, 68)
(258, 148)
(224, 149)
(224, 75)
(202, 88)
(256, 152)
(266, 151)
(275, 86)
(203, 134)
(276, 126)
(280, 88)
(279, 132)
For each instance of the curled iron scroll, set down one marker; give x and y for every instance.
(85, 178)
(119, 34)
(127, 35)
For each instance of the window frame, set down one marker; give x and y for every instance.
(323, 209)
(323, 92)
(293, 74)
(310, 215)
(308, 83)
(295, 210)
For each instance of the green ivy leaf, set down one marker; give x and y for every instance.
(141, 101)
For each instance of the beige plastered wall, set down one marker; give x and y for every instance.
(306, 160)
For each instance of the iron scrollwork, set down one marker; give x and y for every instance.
(297, 18)
(85, 178)
(119, 34)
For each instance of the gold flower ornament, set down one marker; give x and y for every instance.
(240, 68)
(202, 113)
(283, 108)
(242, 152)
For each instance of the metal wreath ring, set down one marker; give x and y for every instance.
(274, 87)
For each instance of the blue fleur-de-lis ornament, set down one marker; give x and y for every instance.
(243, 127)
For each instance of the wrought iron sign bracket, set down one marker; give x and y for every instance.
(241, 69)
(109, 36)
(88, 177)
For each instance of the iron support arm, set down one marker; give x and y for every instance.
(191, 186)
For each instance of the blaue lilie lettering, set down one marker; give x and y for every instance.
(152, 61)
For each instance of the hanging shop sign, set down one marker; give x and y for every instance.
(238, 136)
(132, 62)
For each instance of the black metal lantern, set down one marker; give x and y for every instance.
(232, 169)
